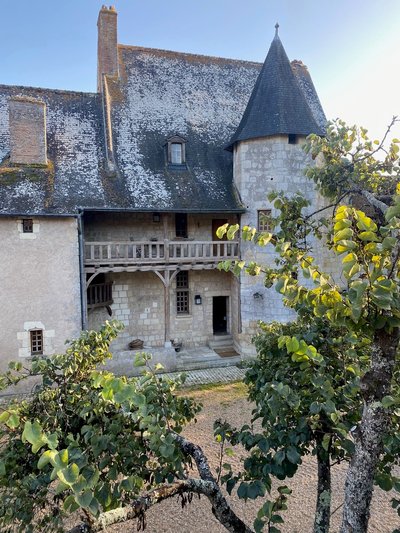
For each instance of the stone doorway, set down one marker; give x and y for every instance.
(220, 315)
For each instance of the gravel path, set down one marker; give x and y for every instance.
(228, 402)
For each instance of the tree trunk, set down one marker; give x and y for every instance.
(323, 508)
(368, 436)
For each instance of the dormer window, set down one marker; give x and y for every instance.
(176, 151)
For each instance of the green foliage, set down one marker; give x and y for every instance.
(350, 160)
(86, 438)
(309, 379)
(305, 385)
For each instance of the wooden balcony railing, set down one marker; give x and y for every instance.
(99, 294)
(159, 252)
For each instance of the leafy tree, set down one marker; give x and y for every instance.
(305, 385)
(329, 384)
(86, 439)
(365, 310)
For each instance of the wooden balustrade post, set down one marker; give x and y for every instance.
(167, 309)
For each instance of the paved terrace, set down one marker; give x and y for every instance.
(227, 374)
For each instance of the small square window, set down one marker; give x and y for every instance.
(264, 220)
(27, 225)
(36, 342)
(292, 138)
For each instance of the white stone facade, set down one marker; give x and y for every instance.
(40, 286)
(262, 166)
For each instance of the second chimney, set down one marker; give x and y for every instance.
(107, 45)
(27, 119)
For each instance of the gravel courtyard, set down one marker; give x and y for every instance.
(229, 402)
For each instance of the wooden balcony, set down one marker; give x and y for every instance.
(99, 295)
(157, 253)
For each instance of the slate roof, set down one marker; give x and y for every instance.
(159, 94)
(199, 98)
(75, 149)
(283, 100)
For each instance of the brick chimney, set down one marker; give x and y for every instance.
(27, 118)
(107, 44)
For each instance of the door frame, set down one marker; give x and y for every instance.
(227, 295)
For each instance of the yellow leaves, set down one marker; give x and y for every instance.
(345, 246)
(342, 213)
(365, 223)
(344, 234)
(329, 299)
(341, 224)
(368, 236)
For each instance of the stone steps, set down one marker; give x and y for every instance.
(223, 345)
(185, 363)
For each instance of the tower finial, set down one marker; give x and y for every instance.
(276, 29)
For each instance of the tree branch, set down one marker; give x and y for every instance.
(381, 206)
(141, 505)
(207, 486)
(220, 507)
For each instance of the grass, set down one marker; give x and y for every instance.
(218, 392)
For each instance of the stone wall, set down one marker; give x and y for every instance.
(138, 301)
(140, 226)
(39, 287)
(27, 118)
(260, 167)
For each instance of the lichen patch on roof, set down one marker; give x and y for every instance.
(163, 94)
(110, 152)
(74, 146)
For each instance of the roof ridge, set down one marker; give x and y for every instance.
(203, 56)
(47, 89)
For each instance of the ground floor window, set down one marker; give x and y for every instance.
(36, 342)
(182, 293)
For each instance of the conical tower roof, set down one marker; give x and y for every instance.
(277, 104)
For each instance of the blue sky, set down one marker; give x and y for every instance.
(351, 47)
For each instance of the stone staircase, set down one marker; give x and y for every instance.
(209, 357)
(223, 345)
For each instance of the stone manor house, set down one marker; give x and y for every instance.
(110, 201)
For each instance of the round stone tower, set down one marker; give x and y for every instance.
(268, 156)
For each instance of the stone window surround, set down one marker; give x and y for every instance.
(31, 235)
(24, 339)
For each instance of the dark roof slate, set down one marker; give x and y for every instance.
(75, 151)
(277, 104)
(159, 94)
(199, 98)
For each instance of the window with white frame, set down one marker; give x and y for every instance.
(176, 151)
